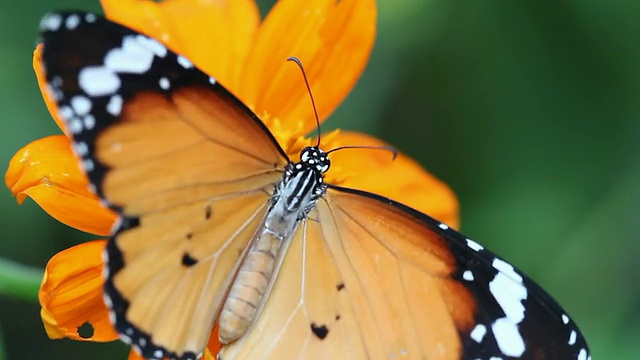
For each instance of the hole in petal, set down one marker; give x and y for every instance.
(85, 330)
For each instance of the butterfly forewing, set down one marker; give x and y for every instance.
(187, 166)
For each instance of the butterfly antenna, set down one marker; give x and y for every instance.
(313, 102)
(387, 148)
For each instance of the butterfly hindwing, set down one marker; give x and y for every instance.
(398, 284)
(496, 310)
(189, 169)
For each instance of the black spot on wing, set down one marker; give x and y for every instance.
(207, 212)
(188, 260)
(340, 286)
(320, 331)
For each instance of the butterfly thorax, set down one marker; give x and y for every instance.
(302, 184)
(294, 197)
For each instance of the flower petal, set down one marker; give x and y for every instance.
(401, 179)
(41, 77)
(47, 171)
(214, 345)
(215, 35)
(71, 295)
(333, 39)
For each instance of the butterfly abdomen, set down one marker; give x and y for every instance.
(248, 289)
(294, 196)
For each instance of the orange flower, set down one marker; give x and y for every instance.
(227, 40)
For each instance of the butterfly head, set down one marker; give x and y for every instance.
(313, 157)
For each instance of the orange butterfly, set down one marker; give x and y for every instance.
(217, 226)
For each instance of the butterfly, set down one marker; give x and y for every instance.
(218, 227)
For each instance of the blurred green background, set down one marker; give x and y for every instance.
(528, 110)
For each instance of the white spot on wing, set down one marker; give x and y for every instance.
(87, 165)
(90, 18)
(132, 57)
(508, 290)
(89, 121)
(509, 295)
(565, 319)
(81, 105)
(51, 22)
(184, 62)
(474, 245)
(507, 269)
(478, 333)
(98, 81)
(114, 106)
(107, 299)
(582, 355)
(164, 83)
(75, 125)
(467, 275)
(80, 148)
(72, 22)
(443, 226)
(65, 112)
(54, 92)
(152, 45)
(112, 319)
(572, 337)
(212, 80)
(116, 224)
(508, 338)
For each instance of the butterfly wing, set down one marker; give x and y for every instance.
(189, 169)
(368, 278)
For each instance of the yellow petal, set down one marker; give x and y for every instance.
(47, 171)
(333, 39)
(71, 294)
(401, 179)
(41, 77)
(215, 35)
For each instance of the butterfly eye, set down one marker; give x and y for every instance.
(325, 164)
(305, 155)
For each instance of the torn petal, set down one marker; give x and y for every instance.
(71, 295)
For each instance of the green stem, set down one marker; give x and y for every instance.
(3, 350)
(19, 281)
